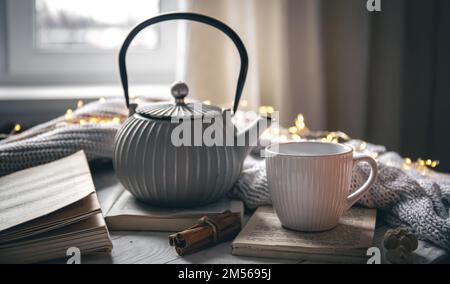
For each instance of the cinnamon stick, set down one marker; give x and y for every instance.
(207, 232)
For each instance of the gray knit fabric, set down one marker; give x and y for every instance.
(57, 139)
(407, 199)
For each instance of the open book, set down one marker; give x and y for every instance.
(48, 209)
(264, 236)
(129, 214)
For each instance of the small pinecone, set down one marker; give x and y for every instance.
(400, 245)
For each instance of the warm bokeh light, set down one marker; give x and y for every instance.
(17, 127)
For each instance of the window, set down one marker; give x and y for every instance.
(87, 24)
(77, 41)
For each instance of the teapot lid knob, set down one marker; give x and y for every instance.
(179, 91)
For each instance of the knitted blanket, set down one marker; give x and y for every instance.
(405, 197)
(60, 137)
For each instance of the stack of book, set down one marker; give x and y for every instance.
(129, 214)
(264, 236)
(49, 209)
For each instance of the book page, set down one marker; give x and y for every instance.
(36, 192)
(355, 230)
(74, 234)
(73, 213)
(107, 186)
(129, 205)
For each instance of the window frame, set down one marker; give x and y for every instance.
(29, 65)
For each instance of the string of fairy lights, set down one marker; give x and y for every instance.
(70, 118)
(300, 132)
(296, 133)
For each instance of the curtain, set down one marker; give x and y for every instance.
(303, 59)
(342, 66)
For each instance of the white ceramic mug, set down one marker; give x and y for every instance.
(310, 183)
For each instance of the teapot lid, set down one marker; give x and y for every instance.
(179, 109)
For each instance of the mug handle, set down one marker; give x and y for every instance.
(355, 196)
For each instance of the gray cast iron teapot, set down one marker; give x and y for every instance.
(163, 152)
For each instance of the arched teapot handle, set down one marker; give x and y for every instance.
(192, 17)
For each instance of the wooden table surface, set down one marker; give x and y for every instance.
(153, 247)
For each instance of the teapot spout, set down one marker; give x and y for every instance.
(249, 138)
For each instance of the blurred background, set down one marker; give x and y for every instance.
(378, 76)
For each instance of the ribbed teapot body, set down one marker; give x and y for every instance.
(160, 173)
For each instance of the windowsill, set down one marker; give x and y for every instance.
(16, 93)
(33, 105)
